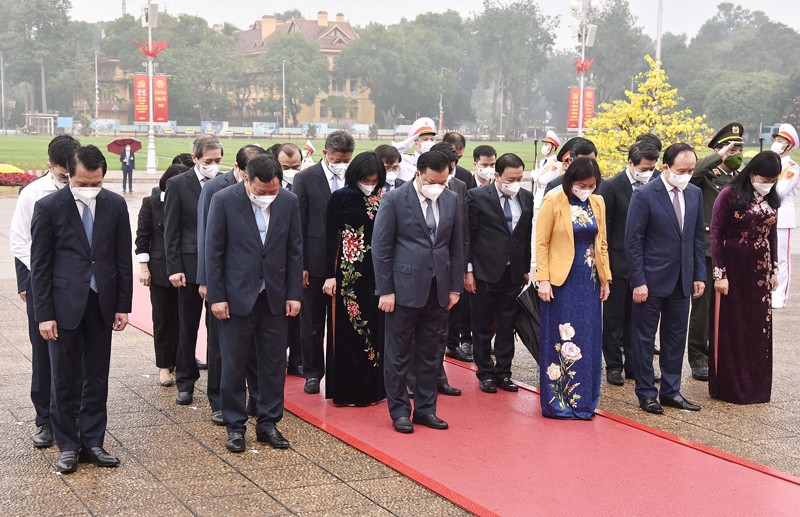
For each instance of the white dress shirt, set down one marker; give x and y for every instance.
(80, 204)
(424, 205)
(680, 198)
(20, 234)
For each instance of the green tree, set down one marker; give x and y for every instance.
(653, 107)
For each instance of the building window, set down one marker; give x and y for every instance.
(323, 108)
(353, 87)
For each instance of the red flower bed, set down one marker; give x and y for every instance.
(16, 180)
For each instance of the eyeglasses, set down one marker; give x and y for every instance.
(396, 168)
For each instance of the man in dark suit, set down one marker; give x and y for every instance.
(483, 158)
(128, 160)
(213, 354)
(617, 192)
(313, 188)
(665, 253)
(254, 256)
(82, 279)
(417, 252)
(498, 263)
(180, 240)
(458, 142)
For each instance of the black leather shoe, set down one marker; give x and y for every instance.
(679, 402)
(235, 442)
(446, 389)
(200, 364)
(99, 457)
(651, 405)
(43, 437)
(403, 425)
(184, 398)
(615, 378)
(430, 420)
(297, 371)
(506, 384)
(700, 373)
(312, 386)
(216, 417)
(458, 354)
(467, 348)
(487, 386)
(274, 438)
(67, 462)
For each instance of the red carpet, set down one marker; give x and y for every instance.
(500, 457)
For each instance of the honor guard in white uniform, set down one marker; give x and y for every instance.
(546, 170)
(422, 136)
(785, 141)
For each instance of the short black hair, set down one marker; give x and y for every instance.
(273, 149)
(289, 149)
(642, 150)
(340, 142)
(91, 157)
(432, 160)
(247, 153)
(508, 160)
(61, 150)
(651, 139)
(672, 152)
(172, 170)
(265, 167)
(184, 159)
(766, 164)
(583, 147)
(363, 166)
(456, 139)
(388, 153)
(448, 150)
(580, 169)
(483, 150)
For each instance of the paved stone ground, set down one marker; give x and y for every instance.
(174, 461)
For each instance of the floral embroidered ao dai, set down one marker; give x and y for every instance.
(571, 330)
(743, 250)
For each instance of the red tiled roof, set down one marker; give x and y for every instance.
(334, 36)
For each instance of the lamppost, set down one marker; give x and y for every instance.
(115, 109)
(3, 91)
(96, 95)
(441, 91)
(283, 95)
(658, 29)
(150, 20)
(582, 9)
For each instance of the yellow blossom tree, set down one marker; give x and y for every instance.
(653, 108)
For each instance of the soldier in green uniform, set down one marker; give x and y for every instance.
(712, 173)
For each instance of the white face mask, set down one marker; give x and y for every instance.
(365, 189)
(391, 176)
(86, 194)
(262, 202)
(337, 168)
(432, 192)
(289, 174)
(486, 173)
(57, 182)
(546, 148)
(582, 194)
(678, 180)
(209, 171)
(777, 147)
(641, 176)
(510, 189)
(425, 146)
(762, 188)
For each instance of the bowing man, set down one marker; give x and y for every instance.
(82, 278)
(254, 267)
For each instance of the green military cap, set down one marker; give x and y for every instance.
(567, 147)
(731, 133)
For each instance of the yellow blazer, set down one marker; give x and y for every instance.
(555, 242)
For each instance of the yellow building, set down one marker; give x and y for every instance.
(333, 36)
(114, 91)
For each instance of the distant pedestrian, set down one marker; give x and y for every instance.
(128, 159)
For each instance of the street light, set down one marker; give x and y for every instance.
(3, 91)
(96, 95)
(150, 20)
(582, 9)
(441, 91)
(283, 97)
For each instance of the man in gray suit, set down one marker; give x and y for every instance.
(417, 252)
(254, 268)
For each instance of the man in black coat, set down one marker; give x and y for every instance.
(180, 240)
(313, 188)
(82, 279)
(498, 263)
(617, 192)
(128, 161)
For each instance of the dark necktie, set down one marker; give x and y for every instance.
(430, 219)
(637, 184)
(507, 212)
(676, 203)
(88, 227)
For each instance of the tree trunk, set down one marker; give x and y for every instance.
(44, 92)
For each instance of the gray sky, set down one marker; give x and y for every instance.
(680, 16)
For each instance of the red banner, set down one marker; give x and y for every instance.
(161, 109)
(140, 112)
(574, 107)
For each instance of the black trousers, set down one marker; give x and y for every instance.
(418, 333)
(293, 337)
(86, 350)
(460, 322)
(127, 177)
(240, 336)
(617, 328)
(494, 305)
(166, 325)
(40, 364)
(316, 308)
(190, 309)
(698, 322)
